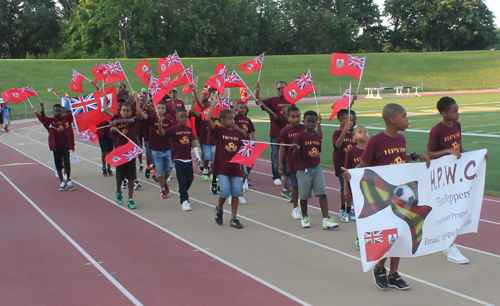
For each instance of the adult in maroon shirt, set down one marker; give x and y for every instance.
(173, 104)
(61, 140)
(275, 104)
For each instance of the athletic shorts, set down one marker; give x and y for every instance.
(106, 144)
(309, 179)
(126, 171)
(61, 158)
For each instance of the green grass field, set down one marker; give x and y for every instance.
(479, 114)
(438, 70)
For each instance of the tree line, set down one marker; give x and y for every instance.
(195, 28)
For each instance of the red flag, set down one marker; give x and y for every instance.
(76, 82)
(123, 154)
(223, 104)
(143, 71)
(187, 89)
(161, 88)
(247, 155)
(377, 243)
(87, 109)
(341, 103)
(169, 65)
(299, 88)
(191, 123)
(233, 80)
(90, 134)
(253, 65)
(185, 77)
(98, 71)
(114, 73)
(14, 95)
(345, 64)
(26, 92)
(217, 82)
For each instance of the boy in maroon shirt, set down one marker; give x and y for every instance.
(446, 138)
(228, 141)
(182, 141)
(61, 140)
(160, 145)
(287, 160)
(306, 148)
(244, 123)
(342, 141)
(388, 148)
(173, 104)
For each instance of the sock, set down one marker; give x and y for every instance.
(348, 209)
(154, 171)
(148, 167)
(342, 207)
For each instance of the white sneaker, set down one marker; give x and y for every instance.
(186, 206)
(70, 186)
(245, 185)
(305, 222)
(169, 179)
(277, 182)
(329, 223)
(344, 217)
(454, 255)
(242, 200)
(62, 187)
(296, 213)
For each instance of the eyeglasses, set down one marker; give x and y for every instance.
(280, 88)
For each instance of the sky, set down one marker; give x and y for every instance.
(493, 5)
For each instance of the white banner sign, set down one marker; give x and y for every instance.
(408, 210)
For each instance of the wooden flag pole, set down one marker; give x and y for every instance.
(258, 79)
(32, 104)
(314, 91)
(126, 78)
(360, 77)
(349, 114)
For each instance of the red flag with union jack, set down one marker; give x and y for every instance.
(123, 154)
(143, 71)
(341, 103)
(90, 134)
(159, 88)
(299, 88)
(87, 109)
(98, 71)
(377, 243)
(187, 89)
(222, 104)
(345, 64)
(185, 77)
(76, 82)
(253, 65)
(233, 80)
(14, 95)
(27, 92)
(114, 73)
(248, 154)
(170, 65)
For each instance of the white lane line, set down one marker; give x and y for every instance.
(119, 286)
(459, 294)
(254, 277)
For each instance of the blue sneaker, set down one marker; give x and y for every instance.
(119, 197)
(131, 204)
(286, 194)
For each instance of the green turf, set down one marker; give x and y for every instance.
(437, 70)
(479, 114)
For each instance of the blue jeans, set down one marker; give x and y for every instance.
(275, 159)
(163, 162)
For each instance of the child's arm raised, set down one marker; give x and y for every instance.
(267, 109)
(161, 131)
(140, 112)
(340, 140)
(320, 131)
(208, 120)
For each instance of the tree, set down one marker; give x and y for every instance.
(436, 25)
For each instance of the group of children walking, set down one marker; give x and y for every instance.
(169, 138)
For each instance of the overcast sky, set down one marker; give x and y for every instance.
(493, 5)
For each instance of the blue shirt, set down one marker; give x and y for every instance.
(6, 112)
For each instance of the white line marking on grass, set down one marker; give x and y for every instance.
(272, 228)
(117, 284)
(254, 277)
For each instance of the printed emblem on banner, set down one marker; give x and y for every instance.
(184, 140)
(340, 63)
(145, 68)
(293, 94)
(217, 81)
(313, 153)
(231, 147)
(16, 95)
(165, 83)
(249, 66)
(163, 67)
(116, 159)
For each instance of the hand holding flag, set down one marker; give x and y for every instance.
(123, 154)
(341, 103)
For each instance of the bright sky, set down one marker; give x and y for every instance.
(493, 5)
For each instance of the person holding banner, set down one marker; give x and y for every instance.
(61, 140)
(387, 148)
(446, 138)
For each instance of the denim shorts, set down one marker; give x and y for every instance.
(208, 151)
(293, 180)
(163, 162)
(230, 186)
(309, 179)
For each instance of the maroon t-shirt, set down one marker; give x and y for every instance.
(353, 157)
(170, 109)
(384, 150)
(210, 137)
(104, 132)
(157, 142)
(228, 142)
(244, 123)
(181, 136)
(127, 129)
(276, 105)
(286, 136)
(310, 147)
(442, 137)
(340, 153)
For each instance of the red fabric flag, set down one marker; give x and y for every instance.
(98, 71)
(169, 65)
(185, 77)
(191, 123)
(14, 95)
(26, 92)
(143, 71)
(233, 80)
(114, 73)
(345, 64)
(217, 82)
(253, 65)
(123, 154)
(299, 88)
(341, 103)
(223, 104)
(161, 88)
(88, 109)
(247, 155)
(187, 89)
(377, 243)
(76, 82)
(90, 134)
